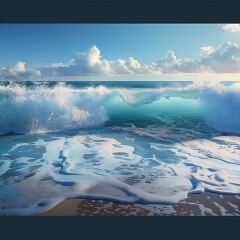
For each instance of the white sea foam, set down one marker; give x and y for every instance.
(43, 109)
(94, 166)
(159, 162)
(88, 166)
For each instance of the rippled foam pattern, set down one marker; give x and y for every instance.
(131, 143)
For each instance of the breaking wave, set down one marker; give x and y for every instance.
(40, 108)
(136, 145)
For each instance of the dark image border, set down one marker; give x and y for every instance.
(121, 11)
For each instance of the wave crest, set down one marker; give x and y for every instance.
(40, 108)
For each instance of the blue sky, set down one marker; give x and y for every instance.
(40, 45)
(47, 43)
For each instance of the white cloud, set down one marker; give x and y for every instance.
(92, 63)
(224, 59)
(207, 50)
(19, 72)
(231, 27)
(18, 68)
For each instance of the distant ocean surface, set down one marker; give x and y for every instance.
(130, 142)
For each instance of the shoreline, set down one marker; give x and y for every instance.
(202, 204)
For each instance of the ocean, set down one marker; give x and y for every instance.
(151, 142)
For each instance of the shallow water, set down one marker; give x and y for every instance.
(129, 142)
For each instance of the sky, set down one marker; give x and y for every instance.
(119, 51)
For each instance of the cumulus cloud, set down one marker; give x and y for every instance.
(231, 27)
(18, 68)
(207, 50)
(92, 63)
(19, 72)
(222, 59)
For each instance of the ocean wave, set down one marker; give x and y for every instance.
(184, 150)
(40, 108)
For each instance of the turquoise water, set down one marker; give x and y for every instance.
(138, 142)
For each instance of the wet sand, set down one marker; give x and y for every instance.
(204, 204)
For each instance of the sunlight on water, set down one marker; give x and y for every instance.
(145, 144)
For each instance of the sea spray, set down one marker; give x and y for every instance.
(128, 144)
(40, 108)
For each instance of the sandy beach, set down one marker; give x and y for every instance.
(204, 204)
